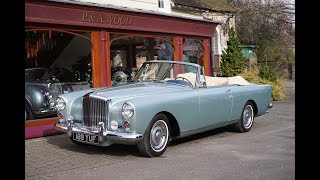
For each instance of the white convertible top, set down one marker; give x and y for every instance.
(216, 81)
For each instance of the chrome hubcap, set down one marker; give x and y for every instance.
(159, 136)
(248, 116)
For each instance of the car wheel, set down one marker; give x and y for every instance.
(246, 120)
(28, 113)
(155, 139)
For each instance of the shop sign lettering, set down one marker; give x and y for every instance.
(106, 18)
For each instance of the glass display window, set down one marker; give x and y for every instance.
(56, 62)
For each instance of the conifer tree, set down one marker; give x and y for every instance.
(232, 59)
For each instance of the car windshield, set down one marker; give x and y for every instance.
(167, 71)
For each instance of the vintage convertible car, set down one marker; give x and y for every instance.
(165, 100)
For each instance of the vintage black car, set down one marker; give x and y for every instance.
(41, 90)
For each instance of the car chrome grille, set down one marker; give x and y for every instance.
(94, 111)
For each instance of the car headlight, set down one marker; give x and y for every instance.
(61, 104)
(127, 110)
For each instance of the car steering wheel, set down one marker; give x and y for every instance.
(184, 79)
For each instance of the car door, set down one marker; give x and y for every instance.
(214, 104)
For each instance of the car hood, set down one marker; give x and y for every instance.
(138, 89)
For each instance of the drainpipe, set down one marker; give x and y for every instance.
(218, 41)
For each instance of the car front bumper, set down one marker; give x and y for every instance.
(103, 135)
(46, 111)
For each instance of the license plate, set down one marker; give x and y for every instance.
(85, 138)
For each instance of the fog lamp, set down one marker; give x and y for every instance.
(114, 125)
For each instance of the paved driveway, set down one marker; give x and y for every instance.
(265, 152)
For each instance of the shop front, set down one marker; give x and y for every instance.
(69, 47)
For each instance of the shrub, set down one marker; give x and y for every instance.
(232, 59)
(278, 89)
(268, 73)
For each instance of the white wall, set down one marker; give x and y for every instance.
(136, 4)
(227, 21)
(167, 7)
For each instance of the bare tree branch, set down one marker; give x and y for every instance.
(266, 23)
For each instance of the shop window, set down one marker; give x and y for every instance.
(193, 51)
(56, 62)
(129, 52)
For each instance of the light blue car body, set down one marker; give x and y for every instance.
(190, 110)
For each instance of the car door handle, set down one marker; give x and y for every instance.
(227, 90)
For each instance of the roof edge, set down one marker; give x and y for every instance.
(110, 6)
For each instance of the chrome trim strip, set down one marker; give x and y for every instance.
(126, 137)
(61, 128)
(51, 110)
(108, 114)
(98, 96)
